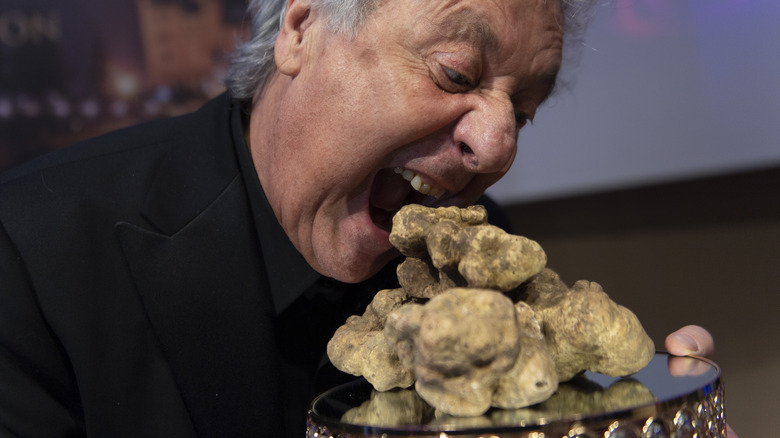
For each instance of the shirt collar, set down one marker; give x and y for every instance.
(289, 275)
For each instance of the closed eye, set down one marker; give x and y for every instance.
(457, 78)
(521, 119)
(453, 81)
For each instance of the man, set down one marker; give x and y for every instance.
(181, 278)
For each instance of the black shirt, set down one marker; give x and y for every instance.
(309, 306)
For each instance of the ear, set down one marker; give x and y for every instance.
(288, 49)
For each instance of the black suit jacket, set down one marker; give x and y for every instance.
(133, 300)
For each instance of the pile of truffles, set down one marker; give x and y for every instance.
(479, 321)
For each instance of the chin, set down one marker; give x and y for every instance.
(360, 269)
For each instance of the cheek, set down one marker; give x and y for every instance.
(380, 99)
(357, 118)
(418, 111)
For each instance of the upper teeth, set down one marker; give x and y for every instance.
(418, 184)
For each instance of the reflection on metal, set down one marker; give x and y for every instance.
(671, 397)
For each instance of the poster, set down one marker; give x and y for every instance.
(74, 69)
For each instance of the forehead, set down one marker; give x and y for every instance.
(485, 18)
(506, 31)
(466, 24)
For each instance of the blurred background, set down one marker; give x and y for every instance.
(654, 170)
(77, 68)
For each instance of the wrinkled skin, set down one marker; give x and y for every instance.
(438, 88)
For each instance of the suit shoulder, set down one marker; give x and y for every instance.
(120, 165)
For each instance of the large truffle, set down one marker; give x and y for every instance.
(359, 347)
(586, 330)
(459, 344)
(453, 330)
(451, 247)
(413, 223)
(532, 379)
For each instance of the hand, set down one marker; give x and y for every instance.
(693, 340)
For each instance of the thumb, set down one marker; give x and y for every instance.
(690, 340)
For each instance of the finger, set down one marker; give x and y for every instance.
(730, 432)
(690, 340)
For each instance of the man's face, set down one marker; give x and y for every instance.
(434, 89)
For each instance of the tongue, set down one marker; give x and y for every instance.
(389, 191)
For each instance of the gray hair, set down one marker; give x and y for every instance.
(253, 62)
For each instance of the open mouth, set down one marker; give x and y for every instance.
(394, 188)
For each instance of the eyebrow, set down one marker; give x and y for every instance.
(546, 86)
(465, 25)
(550, 81)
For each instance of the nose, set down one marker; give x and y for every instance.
(487, 135)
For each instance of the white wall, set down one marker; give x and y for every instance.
(664, 90)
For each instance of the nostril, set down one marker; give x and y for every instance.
(469, 157)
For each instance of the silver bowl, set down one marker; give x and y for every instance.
(672, 397)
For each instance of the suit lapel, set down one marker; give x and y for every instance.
(199, 273)
(206, 302)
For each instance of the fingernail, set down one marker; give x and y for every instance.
(687, 342)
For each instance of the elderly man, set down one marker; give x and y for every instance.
(181, 278)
